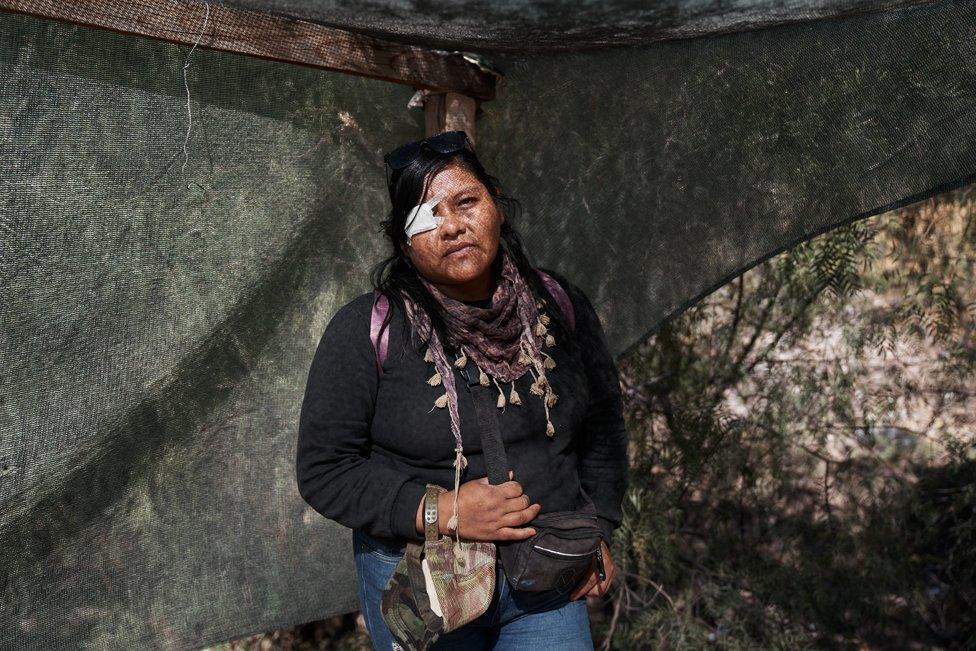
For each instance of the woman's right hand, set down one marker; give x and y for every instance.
(489, 511)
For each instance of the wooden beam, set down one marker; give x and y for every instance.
(271, 37)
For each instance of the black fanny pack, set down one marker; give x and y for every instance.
(566, 542)
(557, 556)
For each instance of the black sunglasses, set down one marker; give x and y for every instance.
(447, 142)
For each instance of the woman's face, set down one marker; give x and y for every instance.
(471, 218)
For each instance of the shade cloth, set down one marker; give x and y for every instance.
(159, 309)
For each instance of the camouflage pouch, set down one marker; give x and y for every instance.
(437, 587)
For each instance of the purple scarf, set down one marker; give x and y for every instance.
(503, 341)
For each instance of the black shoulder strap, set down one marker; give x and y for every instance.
(485, 405)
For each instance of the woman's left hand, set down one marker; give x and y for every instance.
(591, 583)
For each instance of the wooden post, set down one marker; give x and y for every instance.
(450, 111)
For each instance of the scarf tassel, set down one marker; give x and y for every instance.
(551, 399)
(513, 396)
(460, 461)
(550, 428)
(440, 403)
(500, 403)
(538, 387)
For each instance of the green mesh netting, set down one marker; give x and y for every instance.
(159, 314)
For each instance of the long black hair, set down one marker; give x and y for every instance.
(396, 273)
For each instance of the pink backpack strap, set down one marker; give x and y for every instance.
(562, 298)
(379, 335)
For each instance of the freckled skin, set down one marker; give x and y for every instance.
(470, 216)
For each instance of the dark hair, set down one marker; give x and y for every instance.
(397, 274)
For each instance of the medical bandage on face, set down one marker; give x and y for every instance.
(422, 218)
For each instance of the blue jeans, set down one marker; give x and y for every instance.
(514, 620)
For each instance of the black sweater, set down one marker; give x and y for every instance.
(367, 446)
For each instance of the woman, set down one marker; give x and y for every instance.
(465, 302)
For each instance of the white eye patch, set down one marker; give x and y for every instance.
(422, 218)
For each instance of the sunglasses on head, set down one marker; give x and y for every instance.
(447, 142)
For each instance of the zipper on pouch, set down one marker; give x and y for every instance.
(558, 553)
(599, 563)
